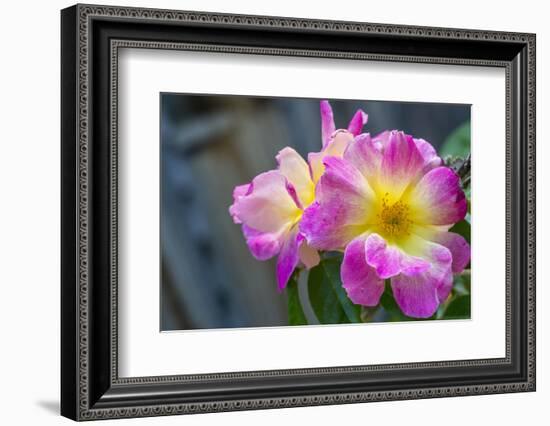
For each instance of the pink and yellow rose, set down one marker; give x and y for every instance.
(270, 208)
(389, 204)
(386, 201)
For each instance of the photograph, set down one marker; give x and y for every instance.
(273, 208)
(305, 212)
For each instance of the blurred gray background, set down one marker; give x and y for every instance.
(210, 144)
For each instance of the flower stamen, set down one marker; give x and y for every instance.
(394, 218)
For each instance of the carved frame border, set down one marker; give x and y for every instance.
(85, 13)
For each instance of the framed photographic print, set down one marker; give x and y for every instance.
(263, 212)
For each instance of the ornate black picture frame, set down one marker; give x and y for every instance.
(90, 38)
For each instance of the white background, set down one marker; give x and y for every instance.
(29, 225)
(146, 352)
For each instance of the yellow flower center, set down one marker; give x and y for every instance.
(394, 221)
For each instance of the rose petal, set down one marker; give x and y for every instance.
(327, 122)
(459, 248)
(262, 245)
(429, 154)
(426, 150)
(419, 295)
(390, 260)
(437, 198)
(241, 191)
(325, 228)
(366, 157)
(386, 260)
(296, 170)
(416, 296)
(269, 207)
(308, 255)
(343, 207)
(238, 192)
(382, 139)
(288, 256)
(341, 175)
(335, 148)
(358, 279)
(402, 164)
(317, 168)
(357, 122)
(292, 192)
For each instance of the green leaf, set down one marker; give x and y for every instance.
(461, 285)
(462, 228)
(332, 271)
(296, 314)
(388, 302)
(458, 142)
(458, 308)
(333, 255)
(323, 298)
